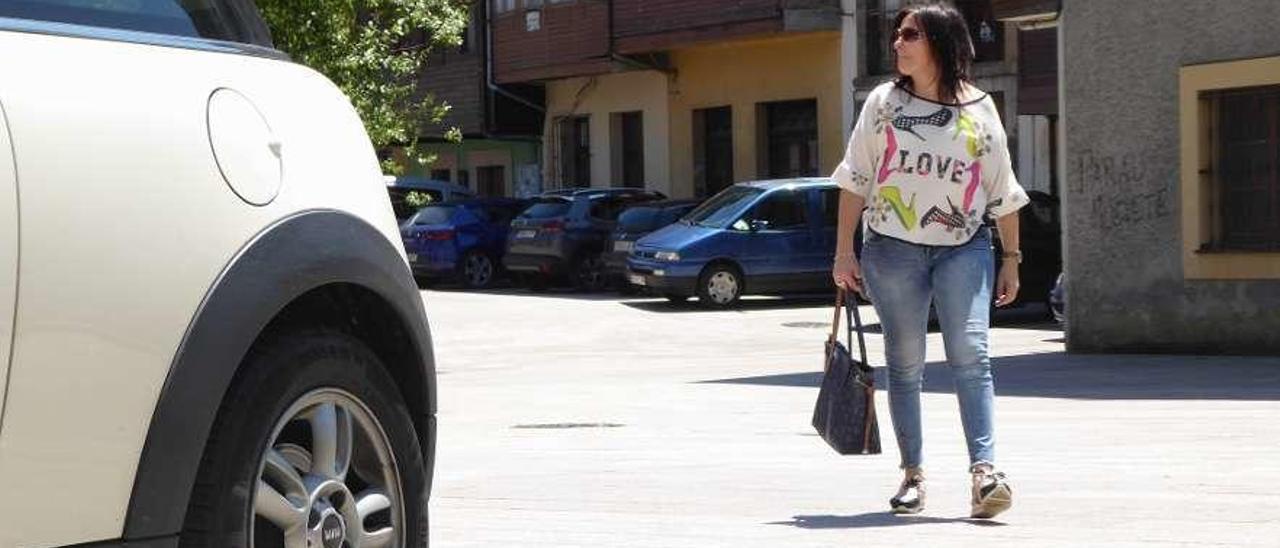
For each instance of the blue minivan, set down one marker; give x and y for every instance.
(759, 237)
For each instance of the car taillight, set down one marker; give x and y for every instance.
(553, 226)
(438, 235)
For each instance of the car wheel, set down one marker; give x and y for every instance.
(313, 447)
(720, 286)
(476, 270)
(588, 273)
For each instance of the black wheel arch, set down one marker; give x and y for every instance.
(316, 268)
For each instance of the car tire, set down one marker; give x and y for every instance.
(477, 270)
(720, 285)
(588, 273)
(313, 434)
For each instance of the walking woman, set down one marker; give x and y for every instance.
(927, 162)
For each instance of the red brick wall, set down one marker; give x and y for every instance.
(635, 17)
(574, 39)
(651, 25)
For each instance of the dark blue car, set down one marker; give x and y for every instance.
(760, 237)
(462, 240)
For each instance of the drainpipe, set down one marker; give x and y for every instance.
(493, 86)
(488, 67)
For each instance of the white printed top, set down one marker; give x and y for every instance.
(929, 171)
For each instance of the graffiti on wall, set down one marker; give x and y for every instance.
(1116, 189)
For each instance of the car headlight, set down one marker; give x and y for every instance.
(670, 256)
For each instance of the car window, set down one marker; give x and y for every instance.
(830, 207)
(638, 219)
(497, 214)
(672, 214)
(547, 208)
(723, 208)
(782, 210)
(608, 208)
(229, 20)
(433, 215)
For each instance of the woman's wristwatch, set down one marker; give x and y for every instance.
(1015, 255)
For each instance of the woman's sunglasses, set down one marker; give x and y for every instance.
(907, 34)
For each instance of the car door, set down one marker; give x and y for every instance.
(114, 113)
(825, 210)
(8, 251)
(778, 236)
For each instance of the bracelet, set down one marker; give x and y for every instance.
(1016, 255)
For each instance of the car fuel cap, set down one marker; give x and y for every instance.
(246, 150)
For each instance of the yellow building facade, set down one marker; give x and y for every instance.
(784, 117)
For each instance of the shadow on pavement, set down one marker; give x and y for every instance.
(875, 519)
(745, 305)
(560, 293)
(1096, 376)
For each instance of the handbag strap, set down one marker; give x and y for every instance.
(853, 322)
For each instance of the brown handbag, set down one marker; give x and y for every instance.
(845, 413)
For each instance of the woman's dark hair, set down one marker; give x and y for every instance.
(948, 39)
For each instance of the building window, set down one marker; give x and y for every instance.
(464, 178)
(503, 6)
(573, 148)
(789, 138)
(712, 150)
(491, 181)
(1243, 183)
(532, 4)
(1229, 122)
(627, 135)
(442, 175)
(985, 31)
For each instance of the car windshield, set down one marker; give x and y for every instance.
(724, 207)
(546, 208)
(230, 20)
(433, 215)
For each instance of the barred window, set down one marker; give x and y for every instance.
(1244, 170)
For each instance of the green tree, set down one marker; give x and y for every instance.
(374, 51)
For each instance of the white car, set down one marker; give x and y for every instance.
(209, 334)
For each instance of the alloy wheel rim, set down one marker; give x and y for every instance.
(479, 269)
(328, 479)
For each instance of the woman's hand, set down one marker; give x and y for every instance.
(847, 273)
(1007, 284)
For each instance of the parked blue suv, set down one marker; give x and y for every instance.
(760, 237)
(462, 240)
(564, 233)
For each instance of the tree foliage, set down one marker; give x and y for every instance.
(374, 50)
